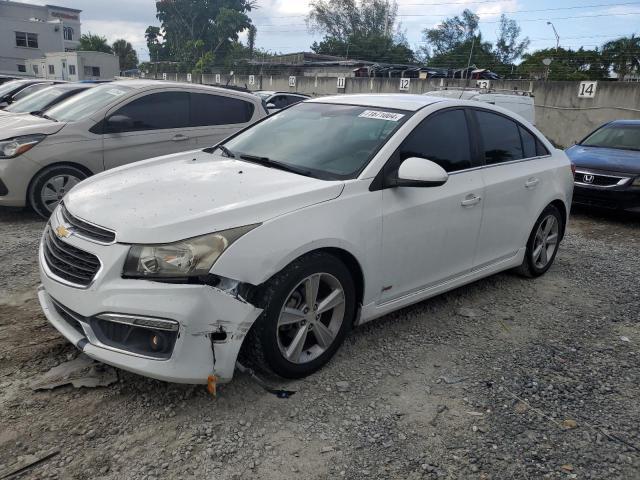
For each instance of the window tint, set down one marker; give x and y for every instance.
(207, 109)
(157, 111)
(500, 138)
(528, 143)
(442, 138)
(541, 150)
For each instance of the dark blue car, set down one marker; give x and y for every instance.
(608, 166)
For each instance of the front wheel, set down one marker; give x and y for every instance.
(543, 243)
(50, 185)
(309, 308)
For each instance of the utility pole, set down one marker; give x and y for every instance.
(466, 73)
(556, 34)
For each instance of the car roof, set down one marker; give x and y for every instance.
(144, 83)
(626, 122)
(401, 101)
(73, 86)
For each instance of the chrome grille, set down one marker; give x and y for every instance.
(87, 230)
(599, 180)
(68, 262)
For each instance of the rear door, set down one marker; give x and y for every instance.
(215, 116)
(515, 176)
(159, 126)
(430, 233)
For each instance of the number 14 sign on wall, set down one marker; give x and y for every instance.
(587, 89)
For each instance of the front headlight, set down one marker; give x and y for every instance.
(636, 182)
(188, 258)
(14, 147)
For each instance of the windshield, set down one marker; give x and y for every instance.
(10, 87)
(626, 137)
(330, 141)
(36, 101)
(87, 103)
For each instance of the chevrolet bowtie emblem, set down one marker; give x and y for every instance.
(62, 231)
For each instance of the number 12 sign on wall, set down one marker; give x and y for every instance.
(404, 83)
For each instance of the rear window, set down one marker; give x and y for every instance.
(209, 109)
(500, 138)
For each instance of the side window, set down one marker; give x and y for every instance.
(442, 138)
(528, 143)
(208, 109)
(500, 138)
(541, 150)
(156, 111)
(291, 99)
(279, 101)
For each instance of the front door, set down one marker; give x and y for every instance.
(430, 233)
(158, 125)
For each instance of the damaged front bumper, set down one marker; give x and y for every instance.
(208, 323)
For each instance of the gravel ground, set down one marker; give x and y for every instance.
(505, 378)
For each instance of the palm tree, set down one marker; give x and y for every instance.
(127, 55)
(623, 54)
(94, 43)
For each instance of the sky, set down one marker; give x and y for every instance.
(282, 28)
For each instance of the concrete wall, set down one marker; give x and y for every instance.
(560, 114)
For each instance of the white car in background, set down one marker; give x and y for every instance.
(275, 242)
(109, 125)
(517, 102)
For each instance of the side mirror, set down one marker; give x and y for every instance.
(420, 172)
(271, 106)
(119, 122)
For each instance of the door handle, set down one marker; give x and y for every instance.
(471, 200)
(532, 182)
(180, 138)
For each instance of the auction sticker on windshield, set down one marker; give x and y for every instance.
(390, 116)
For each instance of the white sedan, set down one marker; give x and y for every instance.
(273, 244)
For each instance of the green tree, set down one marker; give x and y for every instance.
(155, 46)
(94, 43)
(126, 54)
(566, 64)
(508, 47)
(251, 39)
(200, 31)
(450, 34)
(364, 29)
(624, 55)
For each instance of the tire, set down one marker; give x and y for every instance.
(268, 341)
(537, 262)
(50, 185)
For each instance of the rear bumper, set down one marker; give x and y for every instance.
(618, 198)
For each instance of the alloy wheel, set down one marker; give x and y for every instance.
(55, 189)
(311, 318)
(546, 241)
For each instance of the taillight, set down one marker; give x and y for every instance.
(573, 168)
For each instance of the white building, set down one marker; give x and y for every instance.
(74, 66)
(30, 31)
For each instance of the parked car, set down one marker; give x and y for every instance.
(275, 101)
(6, 78)
(10, 91)
(278, 240)
(111, 125)
(517, 102)
(608, 166)
(45, 98)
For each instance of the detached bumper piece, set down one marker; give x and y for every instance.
(146, 337)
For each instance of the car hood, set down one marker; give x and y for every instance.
(14, 125)
(179, 196)
(612, 159)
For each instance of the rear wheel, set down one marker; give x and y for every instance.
(308, 309)
(543, 243)
(50, 185)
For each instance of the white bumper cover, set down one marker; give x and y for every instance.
(200, 310)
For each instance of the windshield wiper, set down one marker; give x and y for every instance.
(267, 162)
(226, 151)
(44, 115)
